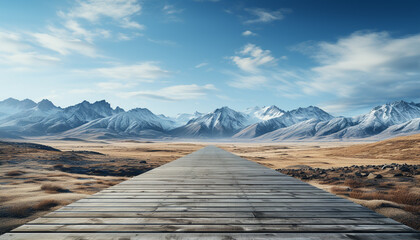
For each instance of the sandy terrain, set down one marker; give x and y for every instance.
(329, 154)
(34, 180)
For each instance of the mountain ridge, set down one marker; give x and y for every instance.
(26, 118)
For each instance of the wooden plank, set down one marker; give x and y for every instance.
(209, 205)
(139, 228)
(172, 200)
(213, 209)
(212, 221)
(295, 214)
(211, 236)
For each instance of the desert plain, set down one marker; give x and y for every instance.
(40, 175)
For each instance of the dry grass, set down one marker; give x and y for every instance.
(339, 190)
(24, 210)
(402, 196)
(355, 183)
(107, 183)
(53, 188)
(20, 211)
(46, 204)
(15, 173)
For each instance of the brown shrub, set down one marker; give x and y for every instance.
(339, 190)
(46, 204)
(53, 188)
(106, 182)
(15, 173)
(402, 196)
(405, 197)
(354, 183)
(20, 210)
(413, 209)
(386, 184)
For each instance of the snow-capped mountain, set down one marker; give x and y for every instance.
(30, 121)
(382, 117)
(45, 118)
(183, 118)
(264, 113)
(222, 122)
(284, 120)
(11, 106)
(407, 128)
(384, 121)
(99, 120)
(131, 123)
(86, 111)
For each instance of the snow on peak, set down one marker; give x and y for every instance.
(46, 105)
(223, 118)
(391, 113)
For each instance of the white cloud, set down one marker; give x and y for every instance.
(252, 57)
(248, 33)
(79, 31)
(63, 44)
(120, 10)
(203, 64)
(366, 68)
(162, 42)
(14, 50)
(141, 72)
(124, 37)
(175, 93)
(265, 16)
(170, 9)
(248, 82)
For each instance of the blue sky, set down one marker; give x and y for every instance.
(183, 56)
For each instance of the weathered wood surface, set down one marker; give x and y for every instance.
(213, 194)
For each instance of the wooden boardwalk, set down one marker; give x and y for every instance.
(212, 194)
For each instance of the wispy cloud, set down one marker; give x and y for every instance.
(121, 11)
(64, 45)
(14, 50)
(175, 93)
(140, 72)
(123, 37)
(171, 9)
(171, 12)
(248, 33)
(248, 81)
(252, 57)
(203, 64)
(162, 42)
(265, 16)
(366, 68)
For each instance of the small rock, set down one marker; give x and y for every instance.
(378, 176)
(404, 169)
(386, 166)
(398, 175)
(371, 176)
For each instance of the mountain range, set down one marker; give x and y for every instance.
(98, 120)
